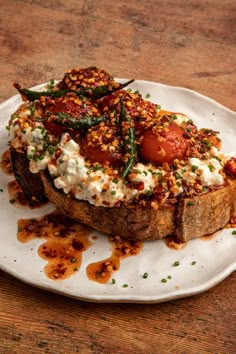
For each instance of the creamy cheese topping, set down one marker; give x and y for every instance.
(207, 171)
(96, 186)
(181, 118)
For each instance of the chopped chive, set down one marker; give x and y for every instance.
(99, 274)
(176, 264)
(190, 204)
(211, 167)
(178, 176)
(234, 232)
(125, 285)
(194, 168)
(145, 275)
(174, 116)
(163, 280)
(193, 263)
(113, 281)
(169, 277)
(12, 201)
(115, 180)
(73, 260)
(96, 167)
(148, 191)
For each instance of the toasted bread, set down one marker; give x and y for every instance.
(116, 162)
(189, 218)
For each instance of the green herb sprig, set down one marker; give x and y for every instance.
(129, 140)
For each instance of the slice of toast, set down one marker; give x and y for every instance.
(189, 218)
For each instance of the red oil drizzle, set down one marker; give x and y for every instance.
(174, 243)
(102, 271)
(66, 241)
(5, 163)
(17, 197)
(208, 237)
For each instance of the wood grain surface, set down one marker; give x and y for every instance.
(190, 43)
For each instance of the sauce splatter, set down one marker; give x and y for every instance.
(5, 163)
(208, 237)
(231, 223)
(66, 241)
(102, 271)
(174, 243)
(17, 197)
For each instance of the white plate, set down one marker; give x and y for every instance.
(215, 258)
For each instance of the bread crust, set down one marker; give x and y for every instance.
(189, 218)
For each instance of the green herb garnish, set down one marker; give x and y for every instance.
(129, 142)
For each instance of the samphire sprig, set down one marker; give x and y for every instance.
(128, 135)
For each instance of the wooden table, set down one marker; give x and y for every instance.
(187, 43)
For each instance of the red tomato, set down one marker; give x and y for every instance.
(54, 129)
(98, 145)
(75, 110)
(69, 107)
(95, 154)
(66, 107)
(230, 167)
(158, 149)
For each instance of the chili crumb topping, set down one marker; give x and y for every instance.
(109, 145)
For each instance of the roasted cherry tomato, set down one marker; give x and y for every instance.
(165, 146)
(54, 129)
(74, 107)
(230, 167)
(60, 106)
(95, 154)
(102, 144)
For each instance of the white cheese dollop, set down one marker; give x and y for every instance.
(207, 171)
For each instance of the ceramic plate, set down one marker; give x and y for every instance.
(202, 264)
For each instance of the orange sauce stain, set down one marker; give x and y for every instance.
(17, 197)
(5, 163)
(173, 243)
(102, 271)
(208, 237)
(66, 241)
(231, 223)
